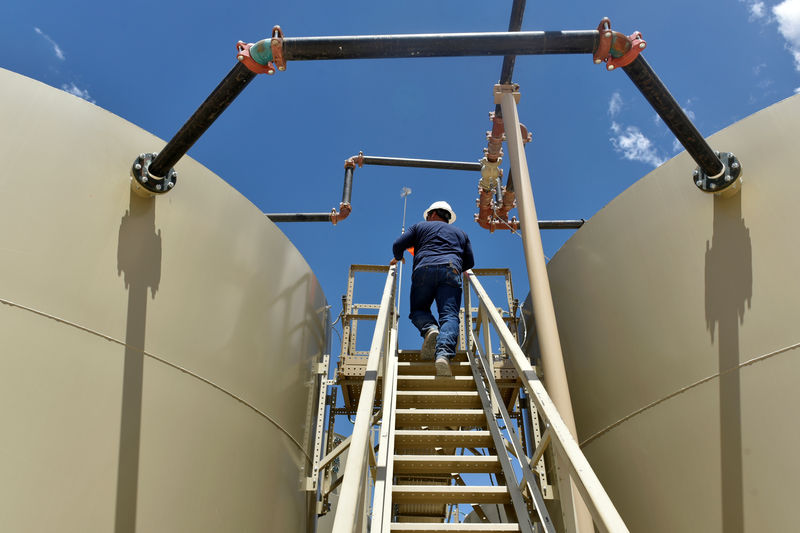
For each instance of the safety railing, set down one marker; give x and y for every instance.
(556, 435)
(352, 508)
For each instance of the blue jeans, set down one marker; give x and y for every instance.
(442, 284)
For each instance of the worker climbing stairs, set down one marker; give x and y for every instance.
(484, 450)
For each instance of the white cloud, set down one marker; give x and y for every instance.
(634, 146)
(797, 90)
(787, 13)
(758, 68)
(676, 145)
(615, 104)
(757, 10)
(74, 90)
(57, 49)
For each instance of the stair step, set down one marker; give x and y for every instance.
(435, 383)
(439, 399)
(406, 356)
(427, 528)
(446, 464)
(426, 368)
(407, 439)
(449, 494)
(440, 417)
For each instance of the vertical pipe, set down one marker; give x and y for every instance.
(555, 375)
(347, 189)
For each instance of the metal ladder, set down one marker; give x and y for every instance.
(417, 474)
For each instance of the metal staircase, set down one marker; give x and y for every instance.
(425, 449)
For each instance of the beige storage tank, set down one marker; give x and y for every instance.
(155, 364)
(679, 313)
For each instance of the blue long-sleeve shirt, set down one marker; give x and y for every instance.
(436, 243)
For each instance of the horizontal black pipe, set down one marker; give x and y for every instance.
(225, 93)
(299, 217)
(440, 45)
(561, 224)
(656, 93)
(326, 217)
(419, 163)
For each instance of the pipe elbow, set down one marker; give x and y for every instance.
(343, 213)
(356, 160)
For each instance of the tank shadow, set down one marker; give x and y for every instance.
(729, 287)
(139, 262)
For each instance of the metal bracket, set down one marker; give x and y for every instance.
(145, 184)
(499, 90)
(726, 183)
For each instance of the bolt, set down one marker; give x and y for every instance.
(607, 34)
(281, 68)
(158, 187)
(598, 61)
(699, 183)
(728, 177)
(716, 153)
(610, 67)
(240, 58)
(141, 156)
(735, 165)
(171, 184)
(712, 185)
(696, 173)
(144, 179)
(137, 166)
(642, 45)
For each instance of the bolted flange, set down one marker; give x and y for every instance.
(727, 183)
(146, 184)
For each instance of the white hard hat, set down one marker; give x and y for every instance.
(440, 205)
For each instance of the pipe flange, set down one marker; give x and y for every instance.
(146, 184)
(727, 182)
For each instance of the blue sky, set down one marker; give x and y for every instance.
(283, 142)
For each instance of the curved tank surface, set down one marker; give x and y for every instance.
(679, 314)
(157, 355)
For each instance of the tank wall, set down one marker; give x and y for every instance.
(156, 363)
(678, 314)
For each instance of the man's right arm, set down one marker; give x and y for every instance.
(406, 240)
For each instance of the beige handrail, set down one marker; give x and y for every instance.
(355, 467)
(605, 515)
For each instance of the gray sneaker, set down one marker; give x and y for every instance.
(443, 366)
(429, 345)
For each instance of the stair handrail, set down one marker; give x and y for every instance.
(355, 467)
(605, 515)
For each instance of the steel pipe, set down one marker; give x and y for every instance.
(213, 106)
(299, 217)
(561, 224)
(440, 45)
(515, 25)
(646, 80)
(347, 188)
(418, 163)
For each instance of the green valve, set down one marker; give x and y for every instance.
(261, 52)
